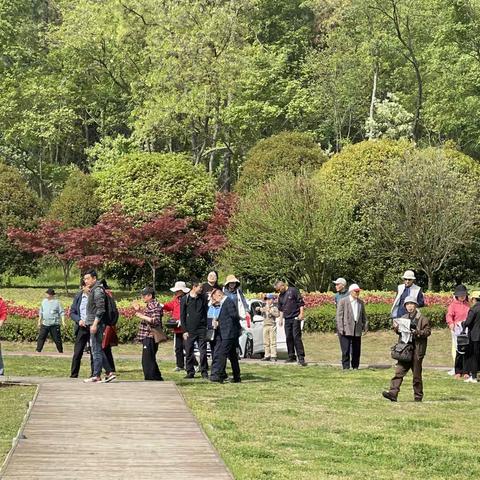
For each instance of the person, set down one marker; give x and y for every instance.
(456, 314)
(95, 322)
(351, 320)
(3, 319)
(228, 329)
(291, 307)
(78, 313)
(270, 314)
(150, 318)
(173, 307)
(419, 331)
(407, 289)
(193, 317)
(473, 324)
(110, 338)
(212, 320)
(210, 284)
(341, 290)
(49, 316)
(234, 292)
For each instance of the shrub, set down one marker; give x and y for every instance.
(322, 319)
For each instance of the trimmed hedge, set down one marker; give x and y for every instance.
(322, 319)
(19, 329)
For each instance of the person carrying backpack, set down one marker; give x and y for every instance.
(97, 318)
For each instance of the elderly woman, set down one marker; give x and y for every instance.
(233, 291)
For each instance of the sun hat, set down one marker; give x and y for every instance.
(232, 279)
(409, 275)
(475, 294)
(460, 291)
(180, 286)
(340, 281)
(410, 299)
(354, 288)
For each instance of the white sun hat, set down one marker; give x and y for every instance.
(180, 286)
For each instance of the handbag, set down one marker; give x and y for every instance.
(158, 334)
(172, 323)
(463, 340)
(210, 335)
(402, 352)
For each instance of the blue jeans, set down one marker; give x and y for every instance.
(98, 355)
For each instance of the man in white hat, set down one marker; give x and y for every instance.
(407, 289)
(340, 289)
(173, 307)
(351, 323)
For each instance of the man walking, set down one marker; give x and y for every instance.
(193, 317)
(49, 316)
(228, 329)
(404, 290)
(95, 322)
(351, 322)
(3, 318)
(291, 307)
(78, 313)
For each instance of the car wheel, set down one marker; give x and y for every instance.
(248, 348)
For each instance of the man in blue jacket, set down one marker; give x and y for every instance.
(228, 330)
(78, 313)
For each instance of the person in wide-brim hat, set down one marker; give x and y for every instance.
(232, 290)
(180, 286)
(232, 279)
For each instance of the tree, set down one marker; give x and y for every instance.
(150, 182)
(292, 152)
(50, 240)
(426, 218)
(77, 205)
(289, 229)
(19, 207)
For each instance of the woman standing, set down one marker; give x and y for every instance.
(473, 324)
(233, 291)
(456, 314)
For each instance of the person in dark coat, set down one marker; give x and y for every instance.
(417, 336)
(78, 313)
(193, 318)
(211, 283)
(228, 329)
(473, 324)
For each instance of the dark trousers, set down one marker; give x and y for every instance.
(190, 353)
(81, 339)
(351, 349)
(225, 348)
(460, 364)
(149, 360)
(55, 333)
(473, 357)
(293, 334)
(109, 358)
(179, 345)
(401, 370)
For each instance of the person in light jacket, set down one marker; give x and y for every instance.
(407, 289)
(351, 322)
(49, 316)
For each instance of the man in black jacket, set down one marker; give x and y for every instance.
(78, 313)
(193, 318)
(228, 330)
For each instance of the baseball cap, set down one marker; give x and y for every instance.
(340, 280)
(354, 288)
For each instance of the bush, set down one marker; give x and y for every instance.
(19, 329)
(150, 182)
(292, 152)
(322, 319)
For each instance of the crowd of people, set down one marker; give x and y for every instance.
(208, 317)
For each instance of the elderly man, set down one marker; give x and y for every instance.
(404, 290)
(351, 323)
(341, 290)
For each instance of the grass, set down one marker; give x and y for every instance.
(286, 422)
(14, 403)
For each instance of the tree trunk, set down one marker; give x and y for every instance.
(154, 276)
(66, 266)
(372, 101)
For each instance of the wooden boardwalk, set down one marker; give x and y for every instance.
(122, 430)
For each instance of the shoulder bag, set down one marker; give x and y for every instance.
(402, 352)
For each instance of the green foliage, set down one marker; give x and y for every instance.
(322, 319)
(292, 152)
(150, 182)
(77, 205)
(19, 207)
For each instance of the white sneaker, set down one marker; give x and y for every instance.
(93, 380)
(471, 380)
(109, 378)
(177, 369)
(451, 372)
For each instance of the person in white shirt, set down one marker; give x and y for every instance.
(351, 322)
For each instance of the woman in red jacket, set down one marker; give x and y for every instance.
(180, 289)
(3, 317)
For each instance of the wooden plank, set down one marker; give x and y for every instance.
(120, 430)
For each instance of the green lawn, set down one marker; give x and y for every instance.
(288, 422)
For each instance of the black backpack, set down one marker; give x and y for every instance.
(111, 311)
